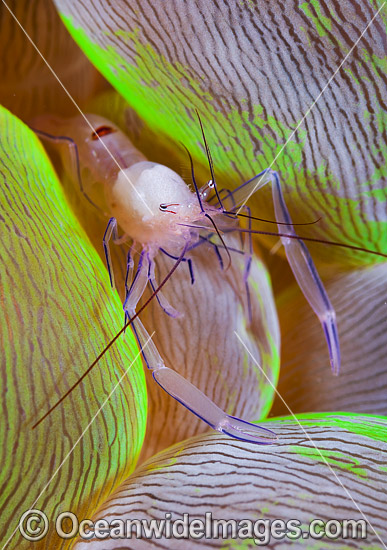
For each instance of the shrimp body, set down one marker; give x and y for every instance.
(151, 203)
(159, 213)
(136, 192)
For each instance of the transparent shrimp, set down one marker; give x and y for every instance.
(158, 212)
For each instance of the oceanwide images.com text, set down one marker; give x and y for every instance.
(34, 525)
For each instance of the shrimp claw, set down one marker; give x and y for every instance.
(306, 275)
(197, 402)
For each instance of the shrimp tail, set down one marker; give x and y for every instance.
(51, 122)
(306, 275)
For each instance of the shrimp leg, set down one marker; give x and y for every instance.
(306, 275)
(129, 271)
(248, 258)
(247, 251)
(111, 232)
(177, 386)
(218, 255)
(164, 304)
(188, 260)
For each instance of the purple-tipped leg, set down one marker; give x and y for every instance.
(306, 275)
(197, 402)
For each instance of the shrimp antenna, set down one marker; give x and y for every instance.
(108, 346)
(210, 162)
(290, 236)
(201, 204)
(269, 221)
(193, 177)
(211, 165)
(310, 239)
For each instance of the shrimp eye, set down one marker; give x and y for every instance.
(210, 184)
(164, 207)
(102, 131)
